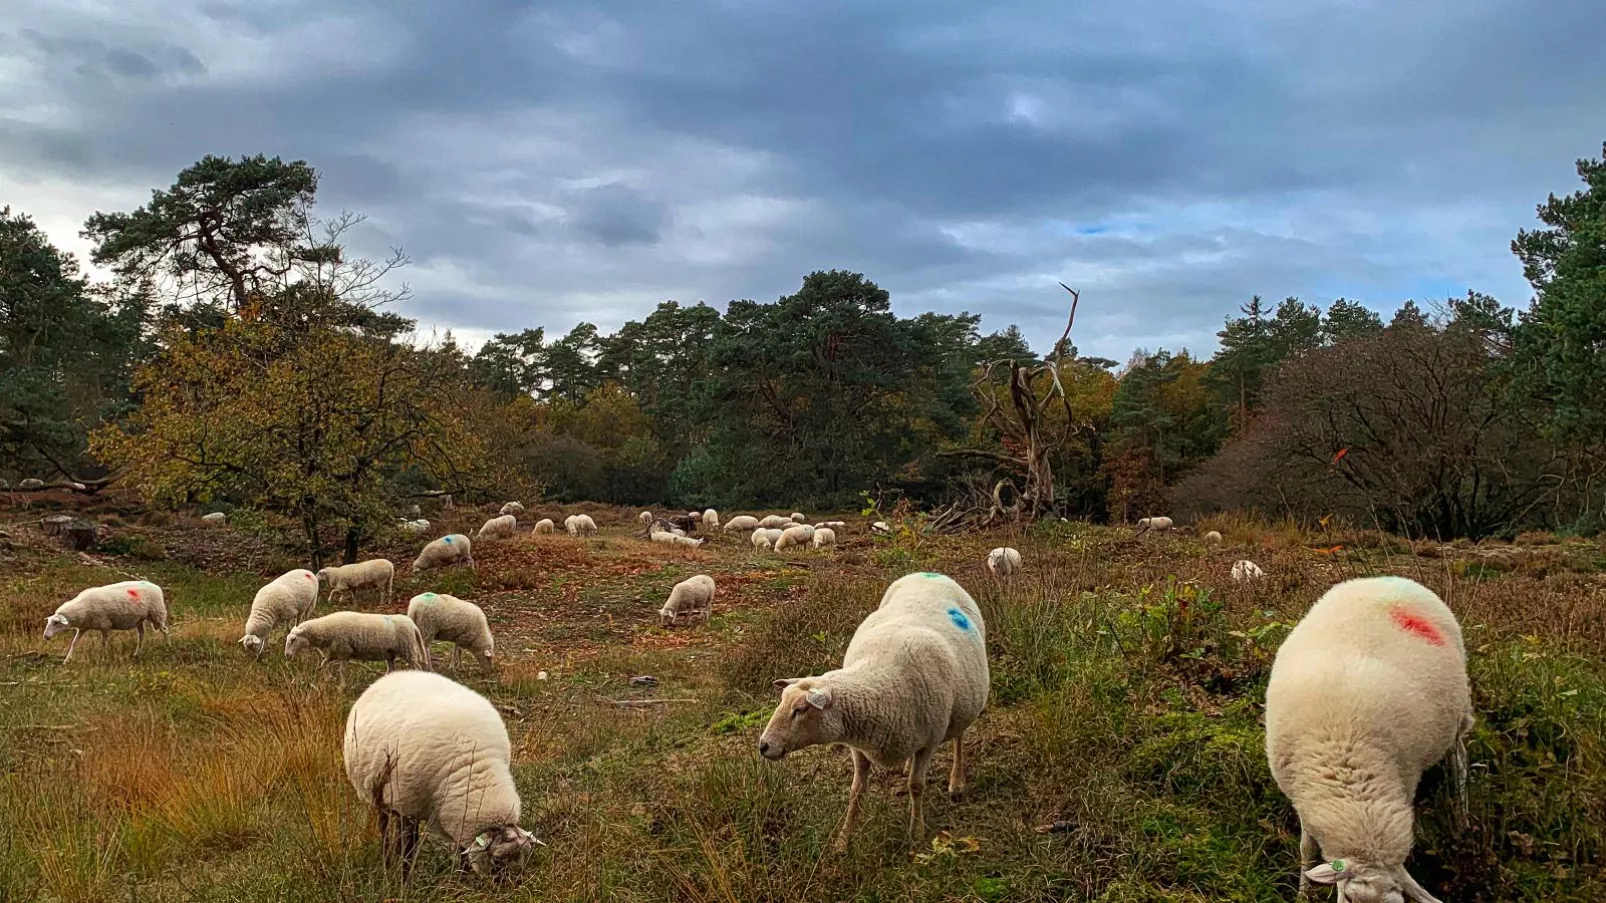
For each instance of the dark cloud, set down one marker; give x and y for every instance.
(564, 161)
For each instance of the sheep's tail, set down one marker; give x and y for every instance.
(421, 650)
(1458, 775)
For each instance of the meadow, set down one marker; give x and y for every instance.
(1120, 759)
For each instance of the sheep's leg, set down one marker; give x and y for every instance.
(861, 775)
(917, 787)
(139, 643)
(390, 661)
(956, 777)
(409, 846)
(75, 634)
(106, 645)
(340, 670)
(386, 852)
(1307, 856)
(457, 657)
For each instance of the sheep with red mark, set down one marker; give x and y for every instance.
(117, 606)
(1367, 692)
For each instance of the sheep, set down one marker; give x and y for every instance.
(31, 483)
(794, 535)
(663, 526)
(289, 599)
(378, 573)
(501, 525)
(1367, 692)
(116, 606)
(881, 528)
(425, 749)
(710, 519)
(447, 550)
(1003, 562)
(545, 527)
(832, 524)
(1157, 524)
(588, 527)
(914, 676)
(689, 596)
(463, 624)
(1213, 538)
(215, 519)
(765, 538)
(798, 518)
(344, 636)
(646, 518)
(676, 539)
(824, 536)
(775, 522)
(415, 527)
(513, 508)
(741, 522)
(1246, 570)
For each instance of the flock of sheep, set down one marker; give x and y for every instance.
(1368, 691)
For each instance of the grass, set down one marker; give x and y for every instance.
(1120, 761)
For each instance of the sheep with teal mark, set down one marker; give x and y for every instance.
(441, 617)
(446, 551)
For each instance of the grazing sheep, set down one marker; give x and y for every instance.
(378, 573)
(824, 536)
(116, 606)
(344, 636)
(833, 524)
(646, 518)
(415, 527)
(794, 535)
(1367, 692)
(1213, 538)
(289, 599)
(1246, 570)
(496, 527)
(31, 483)
(448, 550)
(215, 519)
(580, 525)
(675, 539)
(775, 522)
(1157, 524)
(881, 528)
(914, 676)
(710, 519)
(798, 518)
(690, 596)
(448, 618)
(544, 526)
(765, 538)
(426, 750)
(513, 508)
(741, 522)
(1003, 562)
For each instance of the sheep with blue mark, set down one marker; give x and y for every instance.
(448, 550)
(915, 676)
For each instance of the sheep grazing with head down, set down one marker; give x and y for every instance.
(741, 522)
(1213, 538)
(795, 535)
(775, 522)
(378, 573)
(881, 528)
(427, 751)
(1157, 524)
(344, 636)
(646, 518)
(544, 527)
(415, 527)
(496, 527)
(1369, 690)
(288, 600)
(1246, 570)
(444, 552)
(449, 619)
(1003, 562)
(765, 538)
(513, 508)
(689, 597)
(580, 525)
(824, 536)
(676, 539)
(914, 677)
(117, 606)
(215, 519)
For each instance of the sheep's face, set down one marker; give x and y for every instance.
(55, 624)
(252, 643)
(325, 575)
(1361, 883)
(495, 851)
(294, 643)
(804, 718)
(666, 617)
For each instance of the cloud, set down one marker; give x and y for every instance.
(564, 162)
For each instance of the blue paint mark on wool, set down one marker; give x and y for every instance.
(959, 619)
(446, 539)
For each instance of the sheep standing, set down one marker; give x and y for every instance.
(797, 517)
(1367, 692)
(646, 518)
(741, 522)
(1003, 562)
(448, 618)
(710, 519)
(1157, 524)
(447, 550)
(881, 528)
(794, 535)
(544, 527)
(513, 508)
(914, 676)
(116, 606)
(289, 599)
(344, 636)
(1246, 570)
(588, 527)
(765, 539)
(689, 597)
(499, 526)
(824, 536)
(378, 573)
(775, 522)
(426, 750)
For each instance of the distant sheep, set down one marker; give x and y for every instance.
(1213, 538)
(794, 535)
(1368, 691)
(1246, 570)
(881, 528)
(344, 636)
(741, 522)
(675, 539)
(798, 518)
(775, 522)
(497, 527)
(1157, 524)
(288, 600)
(444, 552)
(914, 677)
(689, 597)
(215, 519)
(31, 483)
(1003, 562)
(378, 573)
(824, 536)
(545, 527)
(646, 518)
(765, 538)
(580, 525)
(116, 606)
(710, 519)
(415, 527)
(513, 508)
(447, 618)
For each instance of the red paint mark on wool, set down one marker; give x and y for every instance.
(1414, 623)
(133, 595)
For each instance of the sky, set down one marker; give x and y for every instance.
(547, 163)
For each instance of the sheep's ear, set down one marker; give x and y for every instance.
(1328, 872)
(820, 698)
(781, 683)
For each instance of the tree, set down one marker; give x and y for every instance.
(1348, 319)
(511, 365)
(1560, 343)
(1239, 367)
(572, 364)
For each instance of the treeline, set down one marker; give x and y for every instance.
(240, 357)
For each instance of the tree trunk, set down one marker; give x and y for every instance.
(352, 535)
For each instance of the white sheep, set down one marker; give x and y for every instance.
(499, 526)
(31, 483)
(914, 676)
(668, 538)
(415, 527)
(741, 522)
(689, 597)
(288, 599)
(881, 528)
(513, 508)
(794, 535)
(1003, 562)
(378, 573)
(833, 524)
(1213, 538)
(544, 527)
(824, 536)
(116, 606)
(710, 519)
(646, 518)
(580, 525)
(344, 636)
(797, 518)
(1246, 570)
(215, 519)
(1367, 692)
(775, 522)
(426, 750)
(450, 619)
(1157, 524)
(448, 550)
(764, 538)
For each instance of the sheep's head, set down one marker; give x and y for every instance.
(494, 851)
(252, 643)
(294, 642)
(1358, 882)
(325, 575)
(804, 718)
(55, 624)
(666, 616)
